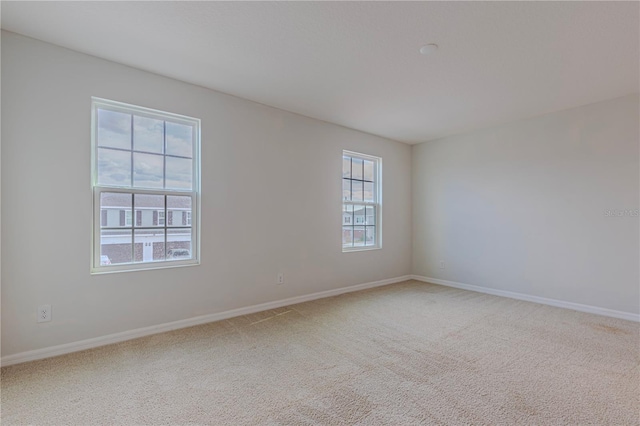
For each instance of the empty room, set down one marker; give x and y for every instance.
(320, 213)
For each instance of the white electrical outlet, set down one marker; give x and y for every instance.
(442, 264)
(280, 279)
(44, 313)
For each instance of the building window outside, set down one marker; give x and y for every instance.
(128, 217)
(145, 168)
(361, 201)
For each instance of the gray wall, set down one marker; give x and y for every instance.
(271, 201)
(523, 207)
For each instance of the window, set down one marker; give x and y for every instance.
(145, 170)
(361, 201)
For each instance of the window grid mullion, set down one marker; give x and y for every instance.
(132, 168)
(353, 234)
(133, 227)
(351, 182)
(142, 191)
(164, 155)
(360, 203)
(139, 151)
(365, 232)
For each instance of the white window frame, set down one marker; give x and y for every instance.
(97, 190)
(376, 203)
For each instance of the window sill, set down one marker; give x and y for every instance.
(355, 249)
(133, 267)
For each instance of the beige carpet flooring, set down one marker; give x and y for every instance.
(408, 353)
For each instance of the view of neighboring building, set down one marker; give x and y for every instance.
(358, 226)
(142, 229)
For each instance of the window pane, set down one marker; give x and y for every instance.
(358, 215)
(357, 168)
(147, 208)
(368, 170)
(347, 236)
(368, 191)
(148, 134)
(179, 244)
(346, 189)
(179, 139)
(115, 246)
(346, 166)
(178, 210)
(179, 173)
(148, 245)
(114, 129)
(356, 188)
(371, 236)
(147, 170)
(358, 236)
(114, 207)
(347, 215)
(114, 167)
(370, 218)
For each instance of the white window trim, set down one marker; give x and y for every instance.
(194, 193)
(377, 203)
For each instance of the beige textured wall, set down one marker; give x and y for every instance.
(524, 207)
(271, 201)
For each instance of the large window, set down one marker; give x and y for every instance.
(146, 181)
(361, 201)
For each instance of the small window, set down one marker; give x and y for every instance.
(145, 171)
(361, 201)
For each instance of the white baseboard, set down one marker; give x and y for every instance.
(542, 300)
(189, 322)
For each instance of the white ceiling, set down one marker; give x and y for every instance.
(357, 63)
